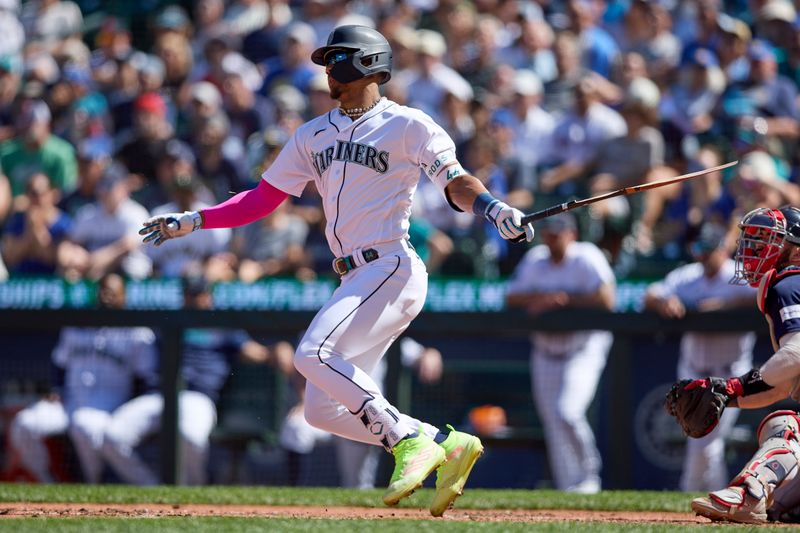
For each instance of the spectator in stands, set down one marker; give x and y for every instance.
(173, 261)
(244, 107)
(176, 53)
(94, 157)
(10, 85)
(577, 137)
(33, 234)
(766, 102)
(532, 129)
(704, 286)
(35, 149)
(559, 93)
(245, 16)
(672, 216)
(533, 50)
(762, 181)
(97, 370)
(11, 29)
(103, 238)
(479, 68)
(218, 172)
(271, 246)
(735, 37)
(566, 367)
(205, 366)
(293, 66)
(265, 42)
(687, 106)
(141, 153)
(598, 49)
(51, 21)
(426, 89)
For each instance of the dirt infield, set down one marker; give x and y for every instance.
(55, 510)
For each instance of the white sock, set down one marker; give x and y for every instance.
(382, 419)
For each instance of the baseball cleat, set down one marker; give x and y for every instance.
(732, 504)
(415, 458)
(462, 450)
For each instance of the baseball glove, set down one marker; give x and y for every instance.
(698, 404)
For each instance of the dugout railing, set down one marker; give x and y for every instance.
(626, 326)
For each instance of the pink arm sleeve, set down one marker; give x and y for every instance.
(243, 208)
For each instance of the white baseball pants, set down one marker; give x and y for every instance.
(140, 417)
(373, 305)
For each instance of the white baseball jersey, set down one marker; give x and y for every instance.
(704, 352)
(361, 169)
(100, 364)
(583, 270)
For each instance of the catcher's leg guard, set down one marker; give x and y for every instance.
(774, 464)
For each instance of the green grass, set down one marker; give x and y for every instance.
(472, 499)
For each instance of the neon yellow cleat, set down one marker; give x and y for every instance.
(414, 460)
(462, 450)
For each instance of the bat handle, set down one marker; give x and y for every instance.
(544, 213)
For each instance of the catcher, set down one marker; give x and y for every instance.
(768, 487)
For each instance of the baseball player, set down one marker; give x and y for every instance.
(566, 367)
(767, 257)
(97, 368)
(703, 286)
(366, 158)
(207, 354)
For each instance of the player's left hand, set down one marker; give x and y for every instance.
(161, 228)
(508, 222)
(698, 404)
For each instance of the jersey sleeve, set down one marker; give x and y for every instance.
(786, 303)
(432, 149)
(292, 169)
(598, 271)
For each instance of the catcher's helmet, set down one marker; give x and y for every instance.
(792, 216)
(356, 51)
(763, 232)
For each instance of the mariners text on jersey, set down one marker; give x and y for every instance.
(361, 154)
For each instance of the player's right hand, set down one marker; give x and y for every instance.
(508, 222)
(161, 228)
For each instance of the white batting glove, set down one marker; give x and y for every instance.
(508, 222)
(161, 228)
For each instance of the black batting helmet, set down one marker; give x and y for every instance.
(367, 52)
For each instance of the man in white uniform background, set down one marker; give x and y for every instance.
(366, 158)
(566, 367)
(99, 366)
(704, 286)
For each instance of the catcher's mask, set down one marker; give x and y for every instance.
(355, 52)
(763, 233)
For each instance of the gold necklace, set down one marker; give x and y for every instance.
(358, 111)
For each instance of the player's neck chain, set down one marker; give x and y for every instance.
(354, 112)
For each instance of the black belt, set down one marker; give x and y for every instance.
(343, 265)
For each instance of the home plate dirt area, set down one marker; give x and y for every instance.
(55, 510)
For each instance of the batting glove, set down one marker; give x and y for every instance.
(508, 222)
(161, 228)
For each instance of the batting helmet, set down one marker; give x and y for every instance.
(360, 51)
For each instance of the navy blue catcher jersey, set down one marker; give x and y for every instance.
(779, 300)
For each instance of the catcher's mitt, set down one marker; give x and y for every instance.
(698, 404)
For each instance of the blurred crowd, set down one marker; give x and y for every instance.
(109, 116)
